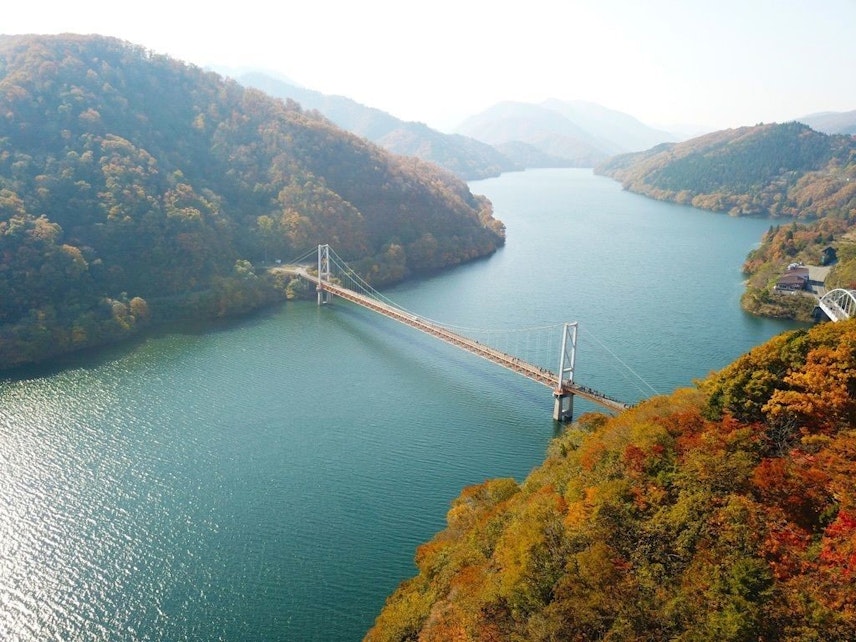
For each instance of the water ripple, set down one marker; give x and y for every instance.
(271, 480)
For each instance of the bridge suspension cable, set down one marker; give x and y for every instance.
(542, 341)
(366, 288)
(302, 258)
(537, 355)
(636, 375)
(563, 385)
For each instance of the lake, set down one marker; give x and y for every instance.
(270, 479)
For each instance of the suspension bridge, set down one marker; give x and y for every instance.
(561, 383)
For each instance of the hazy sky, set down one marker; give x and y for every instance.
(717, 63)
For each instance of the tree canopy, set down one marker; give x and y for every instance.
(722, 512)
(134, 187)
(786, 170)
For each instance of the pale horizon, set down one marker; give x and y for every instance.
(667, 63)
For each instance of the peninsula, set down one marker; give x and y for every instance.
(786, 171)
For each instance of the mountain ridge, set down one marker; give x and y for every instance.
(136, 189)
(467, 158)
(831, 122)
(508, 136)
(581, 134)
(768, 169)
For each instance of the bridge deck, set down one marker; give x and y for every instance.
(528, 370)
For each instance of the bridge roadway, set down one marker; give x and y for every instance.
(535, 373)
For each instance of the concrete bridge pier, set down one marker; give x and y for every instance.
(563, 406)
(324, 296)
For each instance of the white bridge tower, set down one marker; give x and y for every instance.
(563, 405)
(323, 274)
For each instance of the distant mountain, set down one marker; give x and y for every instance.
(620, 131)
(528, 155)
(540, 127)
(772, 169)
(467, 158)
(831, 122)
(576, 134)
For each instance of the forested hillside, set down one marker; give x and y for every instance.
(786, 170)
(136, 188)
(723, 512)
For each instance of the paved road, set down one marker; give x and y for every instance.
(816, 277)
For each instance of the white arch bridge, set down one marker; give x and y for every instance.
(359, 292)
(838, 304)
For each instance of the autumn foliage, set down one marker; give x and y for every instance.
(722, 512)
(129, 175)
(785, 169)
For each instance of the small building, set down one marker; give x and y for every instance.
(795, 278)
(828, 256)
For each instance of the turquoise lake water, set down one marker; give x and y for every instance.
(270, 479)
